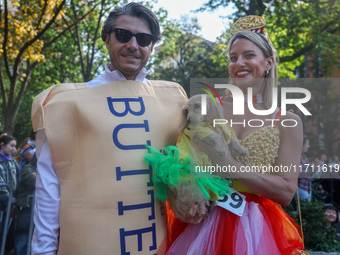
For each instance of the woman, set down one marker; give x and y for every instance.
(332, 218)
(8, 169)
(263, 228)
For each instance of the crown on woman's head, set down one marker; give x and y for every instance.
(251, 23)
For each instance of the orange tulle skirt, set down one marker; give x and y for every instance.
(264, 228)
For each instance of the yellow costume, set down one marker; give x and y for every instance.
(201, 131)
(97, 139)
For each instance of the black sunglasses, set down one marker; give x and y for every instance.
(125, 36)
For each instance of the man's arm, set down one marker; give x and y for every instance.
(47, 196)
(29, 176)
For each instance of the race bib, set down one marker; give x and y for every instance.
(235, 202)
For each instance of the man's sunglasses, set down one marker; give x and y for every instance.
(125, 36)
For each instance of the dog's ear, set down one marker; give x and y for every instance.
(219, 110)
(183, 123)
(214, 111)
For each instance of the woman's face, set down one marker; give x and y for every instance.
(247, 63)
(331, 215)
(10, 148)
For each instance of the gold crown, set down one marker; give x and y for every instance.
(249, 23)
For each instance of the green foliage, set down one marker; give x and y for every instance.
(184, 54)
(76, 56)
(61, 66)
(295, 27)
(318, 235)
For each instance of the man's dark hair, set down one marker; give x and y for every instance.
(134, 10)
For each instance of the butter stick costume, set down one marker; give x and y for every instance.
(96, 137)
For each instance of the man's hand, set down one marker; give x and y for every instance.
(188, 202)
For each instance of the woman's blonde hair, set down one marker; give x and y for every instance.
(268, 50)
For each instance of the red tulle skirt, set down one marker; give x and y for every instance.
(263, 229)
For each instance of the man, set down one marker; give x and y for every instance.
(94, 193)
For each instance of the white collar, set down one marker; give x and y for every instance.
(118, 76)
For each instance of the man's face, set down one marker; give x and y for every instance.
(129, 58)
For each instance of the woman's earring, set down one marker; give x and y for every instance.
(266, 74)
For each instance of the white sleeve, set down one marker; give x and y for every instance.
(47, 196)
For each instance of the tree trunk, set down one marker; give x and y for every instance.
(9, 117)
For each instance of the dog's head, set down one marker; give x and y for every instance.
(192, 111)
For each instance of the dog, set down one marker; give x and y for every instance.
(194, 124)
(192, 115)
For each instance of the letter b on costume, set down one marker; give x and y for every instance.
(115, 106)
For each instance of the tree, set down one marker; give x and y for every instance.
(318, 235)
(87, 38)
(184, 55)
(28, 29)
(61, 65)
(77, 55)
(296, 27)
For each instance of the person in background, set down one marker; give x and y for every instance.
(8, 172)
(321, 194)
(23, 206)
(334, 163)
(323, 159)
(27, 151)
(332, 217)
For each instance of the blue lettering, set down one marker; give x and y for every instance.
(139, 233)
(122, 208)
(126, 101)
(145, 125)
(120, 173)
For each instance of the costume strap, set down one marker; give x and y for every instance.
(300, 217)
(277, 117)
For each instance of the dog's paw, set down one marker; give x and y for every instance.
(217, 142)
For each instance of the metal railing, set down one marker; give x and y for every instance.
(6, 218)
(30, 233)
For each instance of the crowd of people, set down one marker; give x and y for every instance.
(314, 171)
(313, 184)
(18, 169)
(88, 202)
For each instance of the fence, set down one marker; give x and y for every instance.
(5, 221)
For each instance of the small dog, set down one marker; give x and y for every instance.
(187, 193)
(192, 115)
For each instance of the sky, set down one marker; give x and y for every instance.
(211, 23)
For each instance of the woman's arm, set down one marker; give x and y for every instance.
(280, 187)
